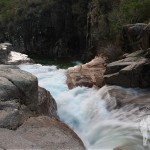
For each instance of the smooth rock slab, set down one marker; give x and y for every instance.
(88, 74)
(41, 133)
(9, 140)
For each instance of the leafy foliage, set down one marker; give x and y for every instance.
(110, 15)
(123, 12)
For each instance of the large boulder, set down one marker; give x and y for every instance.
(132, 71)
(135, 36)
(88, 74)
(21, 98)
(19, 84)
(131, 35)
(41, 133)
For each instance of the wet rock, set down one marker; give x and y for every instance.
(118, 97)
(130, 147)
(88, 74)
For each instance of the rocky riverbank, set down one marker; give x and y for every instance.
(130, 72)
(132, 69)
(28, 113)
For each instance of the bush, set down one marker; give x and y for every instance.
(111, 52)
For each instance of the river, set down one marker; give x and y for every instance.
(88, 111)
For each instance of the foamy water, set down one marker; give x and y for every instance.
(85, 111)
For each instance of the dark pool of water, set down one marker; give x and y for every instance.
(62, 63)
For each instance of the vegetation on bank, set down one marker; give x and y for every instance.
(122, 12)
(38, 24)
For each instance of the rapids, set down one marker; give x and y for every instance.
(86, 111)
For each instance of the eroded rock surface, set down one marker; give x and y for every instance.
(88, 74)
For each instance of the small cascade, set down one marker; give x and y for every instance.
(90, 111)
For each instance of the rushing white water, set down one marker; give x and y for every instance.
(85, 111)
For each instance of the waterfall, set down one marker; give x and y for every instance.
(90, 111)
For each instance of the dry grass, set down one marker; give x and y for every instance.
(111, 52)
